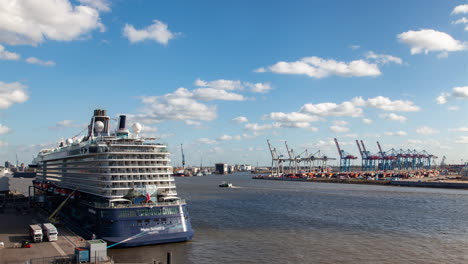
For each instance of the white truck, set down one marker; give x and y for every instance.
(35, 231)
(50, 231)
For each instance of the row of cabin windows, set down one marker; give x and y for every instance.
(143, 212)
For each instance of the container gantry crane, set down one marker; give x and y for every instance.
(369, 160)
(183, 156)
(276, 160)
(345, 158)
(292, 159)
(387, 160)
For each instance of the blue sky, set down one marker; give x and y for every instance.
(301, 71)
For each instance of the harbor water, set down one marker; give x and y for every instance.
(296, 222)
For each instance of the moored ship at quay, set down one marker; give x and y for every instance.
(119, 186)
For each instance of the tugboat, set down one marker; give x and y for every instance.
(225, 184)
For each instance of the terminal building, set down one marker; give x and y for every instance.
(221, 168)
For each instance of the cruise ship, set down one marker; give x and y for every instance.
(116, 186)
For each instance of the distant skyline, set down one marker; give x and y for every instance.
(222, 77)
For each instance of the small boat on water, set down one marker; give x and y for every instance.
(226, 184)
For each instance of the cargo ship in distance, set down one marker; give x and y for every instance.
(119, 186)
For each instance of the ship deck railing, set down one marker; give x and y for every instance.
(140, 205)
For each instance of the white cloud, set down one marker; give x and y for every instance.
(166, 135)
(462, 140)
(148, 129)
(367, 121)
(355, 47)
(442, 55)
(425, 130)
(386, 104)
(427, 40)
(312, 129)
(291, 120)
(462, 20)
(383, 58)
(352, 108)
(158, 31)
(4, 129)
(6, 55)
(259, 87)
(460, 92)
(415, 141)
(3, 143)
(291, 124)
(340, 123)
(216, 150)
(257, 127)
(442, 99)
(231, 85)
(396, 134)
(372, 135)
(184, 104)
(11, 93)
(225, 138)
(460, 9)
(31, 22)
(179, 105)
(316, 67)
(210, 94)
(393, 117)
(459, 129)
(192, 123)
(240, 119)
(66, 124)
(206, 141)
(261, 69)
(291, 117)
(426, 142)
(457, 92)
(250, 136)
(453, 108)
(34, 60)
(339, 129)
(332, 109)
(220, 84)
(101, 5)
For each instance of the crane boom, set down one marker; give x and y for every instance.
(271, 150)
(363, 146)
(183, 156)
(380, 149)
(338, 147)
(359, 147)
(287, 149)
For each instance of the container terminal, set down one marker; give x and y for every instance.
(391, 167)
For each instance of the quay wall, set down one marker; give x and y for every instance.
(433, 184)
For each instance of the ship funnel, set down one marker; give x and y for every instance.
(99, 125)
(122, 120)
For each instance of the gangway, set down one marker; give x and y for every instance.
(52, 217)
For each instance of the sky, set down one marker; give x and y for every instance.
(222, 77)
